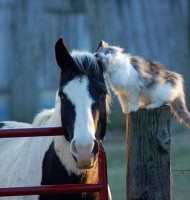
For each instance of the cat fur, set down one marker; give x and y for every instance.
(140, 83)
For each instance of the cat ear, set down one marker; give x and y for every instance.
(63, 57)
(101, 44)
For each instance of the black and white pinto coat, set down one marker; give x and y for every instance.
(62, 159)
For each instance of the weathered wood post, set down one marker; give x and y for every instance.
(148, 154)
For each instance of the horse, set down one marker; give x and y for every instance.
(81, 106)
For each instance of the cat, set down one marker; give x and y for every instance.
(140, 83)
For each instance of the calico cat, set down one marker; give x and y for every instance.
(140, 83)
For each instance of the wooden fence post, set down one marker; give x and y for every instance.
(148, 154)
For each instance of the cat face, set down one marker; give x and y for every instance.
(106, 54)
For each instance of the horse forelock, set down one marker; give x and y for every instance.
(86, 63)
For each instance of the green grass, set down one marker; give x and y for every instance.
(115, 147)
(181, 161)
(116, 159)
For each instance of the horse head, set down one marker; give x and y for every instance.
(83, 94)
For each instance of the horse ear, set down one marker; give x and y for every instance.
(101, 44)
(62, 54)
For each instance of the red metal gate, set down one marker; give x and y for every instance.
(101, 187)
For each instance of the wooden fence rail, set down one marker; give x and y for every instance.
(148, 154)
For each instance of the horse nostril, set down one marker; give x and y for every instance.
(73, 148)
(96, 148)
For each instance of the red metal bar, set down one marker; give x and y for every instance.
(50, 189)
(101, 187)
(30, 132)
(102, 173)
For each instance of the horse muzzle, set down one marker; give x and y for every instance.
(84, 155)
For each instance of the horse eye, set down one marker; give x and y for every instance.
(61, 94)
(103, 96)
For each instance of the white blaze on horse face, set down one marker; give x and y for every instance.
(84, 129)
(82, 143)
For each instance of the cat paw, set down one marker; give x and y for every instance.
(125, 111)
(133, 108)
(151, 106)
(142, 107)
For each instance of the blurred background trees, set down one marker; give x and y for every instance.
(157, 30)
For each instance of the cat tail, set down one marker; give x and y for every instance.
(179, 109)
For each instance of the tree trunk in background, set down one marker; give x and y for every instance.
(27, 56)
(37, 26)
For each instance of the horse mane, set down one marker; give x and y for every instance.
(86, 62)
(42, 117)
